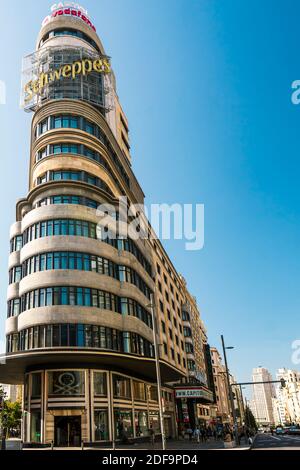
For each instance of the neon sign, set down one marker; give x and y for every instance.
(69, 9)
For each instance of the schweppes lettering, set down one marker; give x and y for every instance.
(79, 67)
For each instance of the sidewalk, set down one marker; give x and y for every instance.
(172, 445)
(186, 445)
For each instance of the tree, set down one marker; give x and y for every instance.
(250, 421)
(10, 416)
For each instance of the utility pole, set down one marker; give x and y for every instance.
(243, 404)
(230, 393)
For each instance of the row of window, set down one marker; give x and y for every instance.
(75, 149)
(67, 199)
(78, 261)
(81, 123)
(69, 32)
(84, 297)
(71, 148)
(74, 175)
(80, 228)
(59, 384)
(79, 335)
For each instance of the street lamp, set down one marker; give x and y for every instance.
(230, 389)
(158, 376)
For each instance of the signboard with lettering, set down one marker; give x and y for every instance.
(70, 9)
(53, 73)
(194, 392)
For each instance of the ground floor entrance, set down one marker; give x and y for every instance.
(67, 431)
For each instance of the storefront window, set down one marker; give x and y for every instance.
(35, 429)
(69, 383)
(153, 396)
(123, 423)
(121, 386)
(36, 385)
(139, 391)
(141, 423)
(154, 421)
(101, 425)
(100, 387)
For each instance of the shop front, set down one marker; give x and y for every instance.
(68, 407)
(189, 401)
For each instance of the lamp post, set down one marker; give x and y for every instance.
(158, 376)
(230, 390)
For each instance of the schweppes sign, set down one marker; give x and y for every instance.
(69, 71)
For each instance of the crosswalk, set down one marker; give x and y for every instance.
(265, 441)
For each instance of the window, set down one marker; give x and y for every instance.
(101, 425)
(187, 332)
(141, 423)
(100, 386)
(35, 427)
(36, 385)
(69, 32)
(123, 423)
(16, 243)
(191, 365)
(163, 326)
(154, 421)
(66, 383)
(121, 387)
(139, 391)
(185, 316)
(153, 395)
(189, 348)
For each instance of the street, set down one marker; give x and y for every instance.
(280, 442)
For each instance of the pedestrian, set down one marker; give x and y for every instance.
(152, 435)
(190, 433)
(227, 437)
(197, 434)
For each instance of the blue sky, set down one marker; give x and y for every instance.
(206, 86)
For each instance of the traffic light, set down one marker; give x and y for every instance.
(283, 384)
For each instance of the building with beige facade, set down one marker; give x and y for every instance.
(221, 407)
(262, 397)
(286, 405)
(79, 323)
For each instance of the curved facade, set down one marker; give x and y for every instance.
(79, 326)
